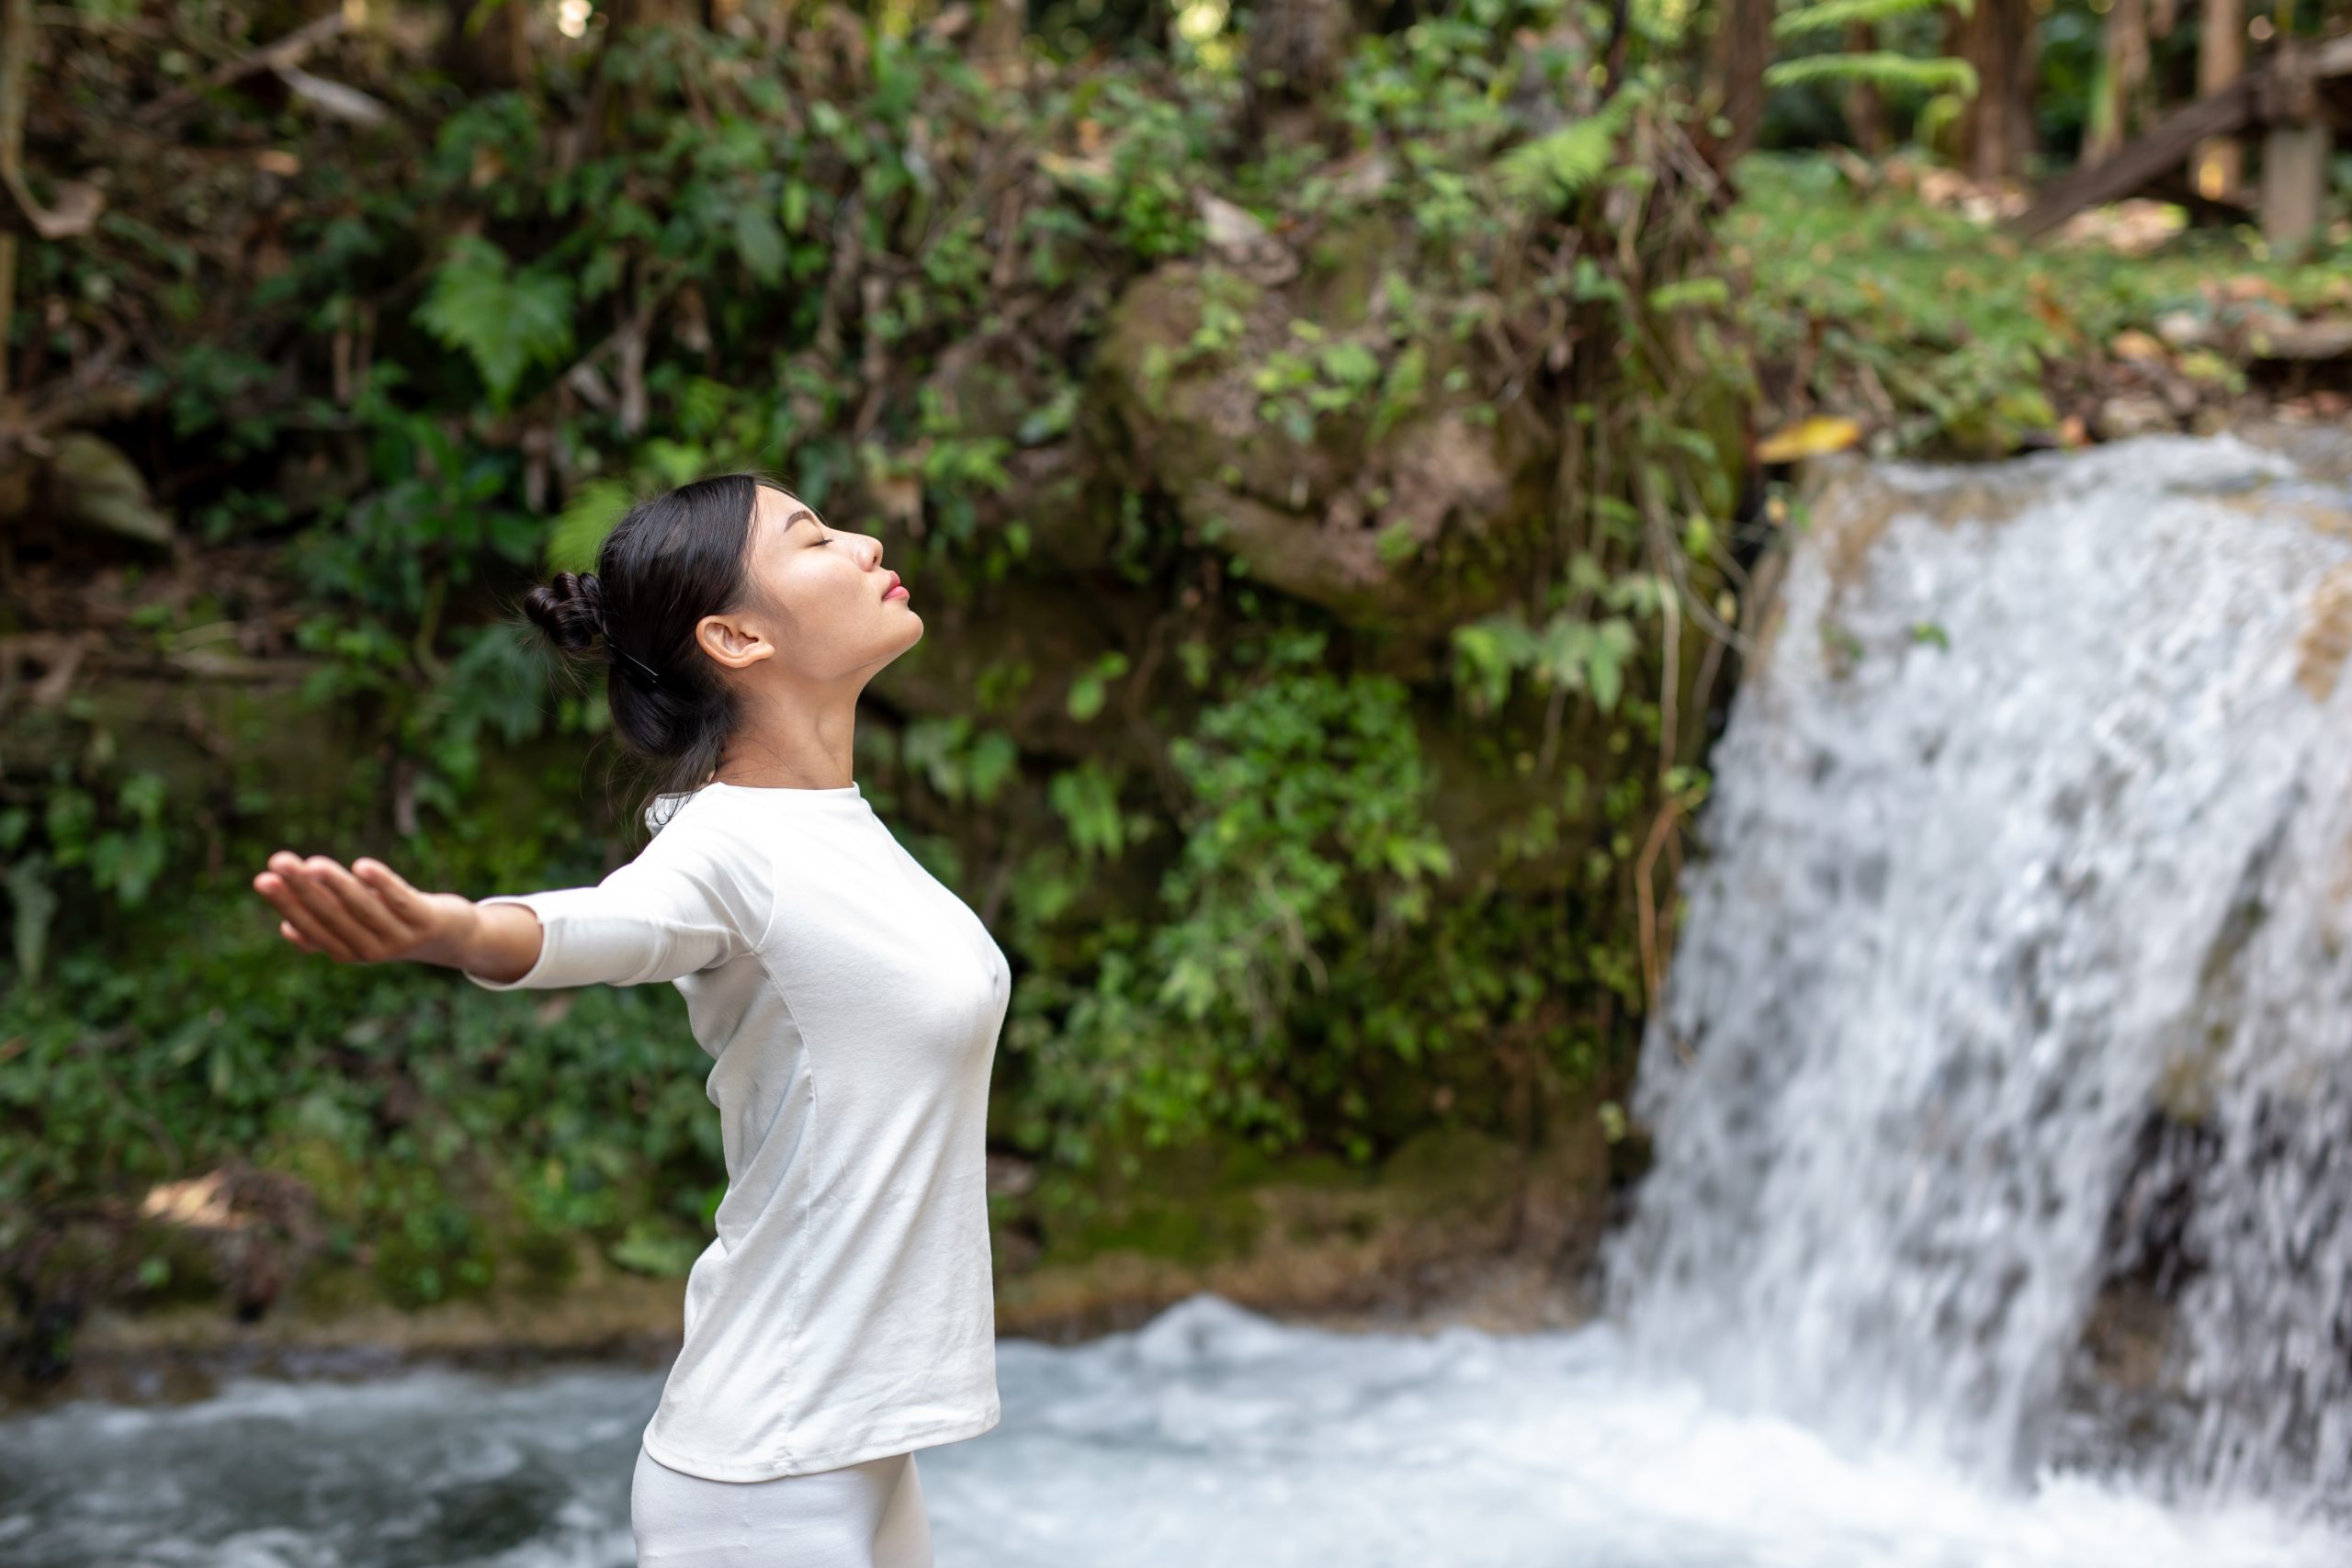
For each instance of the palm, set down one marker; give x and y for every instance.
(363, 914)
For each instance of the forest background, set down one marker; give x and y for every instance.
(1341, 450)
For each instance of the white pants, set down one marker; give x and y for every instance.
(862, 1516)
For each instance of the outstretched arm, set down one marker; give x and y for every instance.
(368, 913)
(684, 904)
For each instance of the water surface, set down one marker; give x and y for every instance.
(1211, 1436)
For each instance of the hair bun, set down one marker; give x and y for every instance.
(570, 608)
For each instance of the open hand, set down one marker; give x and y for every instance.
(366, 914)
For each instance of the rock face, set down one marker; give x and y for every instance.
(2029, 843)
(1373, 491)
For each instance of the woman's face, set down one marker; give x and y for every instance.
(823, 606)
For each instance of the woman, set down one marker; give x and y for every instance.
(850, 1003)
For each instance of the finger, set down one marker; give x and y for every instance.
(285, 929)
(366, 910)
(329, 922)
(280, 886)
(403, 900)
(277, 886)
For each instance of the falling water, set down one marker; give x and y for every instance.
(2015, 969)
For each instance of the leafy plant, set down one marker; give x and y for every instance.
(507, 319)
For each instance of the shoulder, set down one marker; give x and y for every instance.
(703, 840)
(698, 823)
(680, 807)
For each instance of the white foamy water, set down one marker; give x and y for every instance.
(1211, 1436)
(2036, 819)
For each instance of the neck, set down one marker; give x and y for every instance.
(802, 740)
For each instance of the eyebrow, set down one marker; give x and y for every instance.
(796, 516)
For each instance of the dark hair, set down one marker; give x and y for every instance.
(672, 559)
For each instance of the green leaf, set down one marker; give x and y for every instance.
(1554, 170)
(1351, 364)
(1402, 392)
(1702, 291)
(36, 906)
(505, 321)
(588, 516)
(651, 1248)
(1881, 68)
(760, 242)
(1838, 13)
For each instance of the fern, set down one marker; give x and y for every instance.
(1882, 67)
(589, 514)
(1839, 13)
(505, 321)
(1555, 169)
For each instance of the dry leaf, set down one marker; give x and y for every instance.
(1808, 438)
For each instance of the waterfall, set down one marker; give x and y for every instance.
(2014, 964)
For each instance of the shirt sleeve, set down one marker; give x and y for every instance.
(694, 898)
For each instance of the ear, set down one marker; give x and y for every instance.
(738, 639)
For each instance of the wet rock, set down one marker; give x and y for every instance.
(2135, 413)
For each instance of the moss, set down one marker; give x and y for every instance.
(331, 1287)
(1449, 1170)
(1191, 1204)
(546, 1263)
(170, 1265)
(1343, 268)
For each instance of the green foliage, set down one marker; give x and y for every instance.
(405, 1098)
(882, 277)
(1556, 169)
(588, 516)
(1888, 70)
(1092, 684)
(1567, 651)
(960, 760)
(1882, 68)
(1964, 333)
(1308, 859)
(1836, 15)
(507, 319)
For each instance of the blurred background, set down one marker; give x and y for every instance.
(1649, 695)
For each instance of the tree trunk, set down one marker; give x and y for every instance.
(485, 47)
(2294, 186)
(2000, 38)
(2114, 115)
(1003, 24)
(1865, 106)
(1735, 61)
(2219, 166)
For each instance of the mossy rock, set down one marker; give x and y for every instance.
(546, 1263)
(171, 1266)
(1404, 508)
(1191, 1204)
(1450, 1170)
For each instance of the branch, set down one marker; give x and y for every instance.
(285, 52)
(77, 204)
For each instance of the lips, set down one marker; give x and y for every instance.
(891, 587)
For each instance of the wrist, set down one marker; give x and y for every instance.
(459, 935)
(497, 941)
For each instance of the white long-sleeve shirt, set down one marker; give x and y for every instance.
(850, 1003)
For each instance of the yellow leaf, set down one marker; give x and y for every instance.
(1808, 438)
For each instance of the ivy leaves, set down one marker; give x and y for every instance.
(1566, 652)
